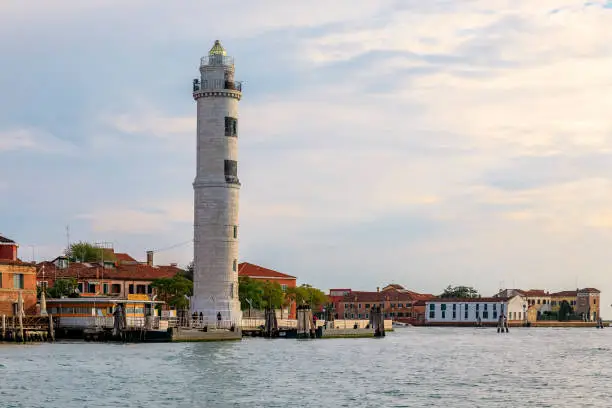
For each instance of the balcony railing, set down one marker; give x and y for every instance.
(212, 85)
(216, 60)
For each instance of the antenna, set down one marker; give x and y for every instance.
(67, 237)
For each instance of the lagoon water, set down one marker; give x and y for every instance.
(411, 367)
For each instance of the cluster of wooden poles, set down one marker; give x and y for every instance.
(26, 328)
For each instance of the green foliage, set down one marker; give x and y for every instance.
(273, 295)
(565, 310)
(250, 290)
(86, 252)
(460, 292)
(265, 294)
(174, 290)
(63, 287)
(188, 271)
(306, 294)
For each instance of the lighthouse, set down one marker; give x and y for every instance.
(216, 191)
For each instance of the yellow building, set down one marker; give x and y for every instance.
(568, 296)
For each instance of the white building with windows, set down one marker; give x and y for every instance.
(470, 311)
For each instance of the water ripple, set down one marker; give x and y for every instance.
(430, 367)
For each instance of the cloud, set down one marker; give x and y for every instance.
(34, 140)
(422, 142)
(156, 218)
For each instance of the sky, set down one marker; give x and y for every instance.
(426, 143)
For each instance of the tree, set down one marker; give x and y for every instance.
(85, 252)
(63, 287)
(306, 294)
(188, 271)
(565, 310)
(273, 295)
(250, 290)
(174, 291)
(460, 292)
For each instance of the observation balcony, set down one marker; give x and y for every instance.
(219, 84)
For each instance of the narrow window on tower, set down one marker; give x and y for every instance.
(235, 266)
(231, 126)
(235, 231)
(231, 171)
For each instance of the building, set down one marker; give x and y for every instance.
(216, 189)
(465, 311)
(118, 278)
(587, 305)
(257, 272)
(16, 277)
(583, 303)
(557, 298)
(396, 302)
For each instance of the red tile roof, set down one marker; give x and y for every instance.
(4, 240)
(255, 271)
(97, 271)
(124, 258)
(534, 293)
(389, 294)
(589, 290)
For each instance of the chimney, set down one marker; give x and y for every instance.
(150, 258)
(174, 264)
(377, 289)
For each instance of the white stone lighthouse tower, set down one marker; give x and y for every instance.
(216, 188)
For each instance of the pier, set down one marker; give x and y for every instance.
(26, 328)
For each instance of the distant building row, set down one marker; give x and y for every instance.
(402, 305)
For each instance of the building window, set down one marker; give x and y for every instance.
(359, 305)
(494, 314)
(105, 288)
(454, 314)
(454, 306)
(367, 305)
(284, 288)
(594, 301)
(18, 280)
(80, 287)
(477, 306)
(131, 289)
(235, 265)
(231, 171)
(501, 307)
(432, 314)
(465, 316)
(149, 289)
(485, 314)
(443, 306)
(115, 288)
(235, 231)
(232, 290)
(359, 316)
(91, 288)
(432, 307)
(231, 126)
(538, 301)
(141, 289)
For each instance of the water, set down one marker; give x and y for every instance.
(412, 367)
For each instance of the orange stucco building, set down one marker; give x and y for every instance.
(15, 277)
